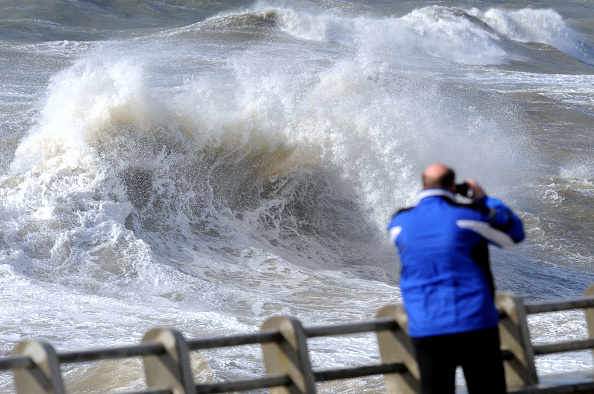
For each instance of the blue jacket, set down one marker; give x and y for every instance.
(446, 280)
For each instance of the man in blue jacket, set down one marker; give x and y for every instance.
(446, 281)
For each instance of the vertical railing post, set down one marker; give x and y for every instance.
(589, 292)
(170, 370)
(43, 376)
(395, 346)
(515, 338)
(289, 357)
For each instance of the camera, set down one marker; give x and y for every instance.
(463, 189)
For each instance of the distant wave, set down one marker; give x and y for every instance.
(264, 18)
(473, 36)
(539, 26)
(464, 36)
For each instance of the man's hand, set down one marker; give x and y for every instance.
(477, 191)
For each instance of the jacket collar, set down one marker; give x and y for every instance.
(433, 192)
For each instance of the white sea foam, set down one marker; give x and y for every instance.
(580, 173)
(440, 32)
(450, 34)
(133, 164)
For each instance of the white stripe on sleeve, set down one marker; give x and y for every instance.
(394, 232)
(496, 236)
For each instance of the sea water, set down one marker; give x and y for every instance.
(207, 165)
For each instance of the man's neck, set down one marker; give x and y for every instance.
(433, 192)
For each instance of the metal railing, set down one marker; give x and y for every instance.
(165, 353)
(519, 352)
(559, 306)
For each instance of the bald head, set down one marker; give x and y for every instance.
(438, 175)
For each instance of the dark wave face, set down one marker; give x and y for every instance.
(207, 165)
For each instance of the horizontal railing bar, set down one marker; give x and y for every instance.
(244, 385)
(568, 346)
(145, 349)
(357, 372)
(15, 362)
(559, 305)
(237, 340)
(353, 328)
(151, 392)
(582, 387)
(275, 336)
(320, 376)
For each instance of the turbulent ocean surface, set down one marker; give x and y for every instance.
(205, 165)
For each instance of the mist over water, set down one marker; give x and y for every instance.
(206, 168)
